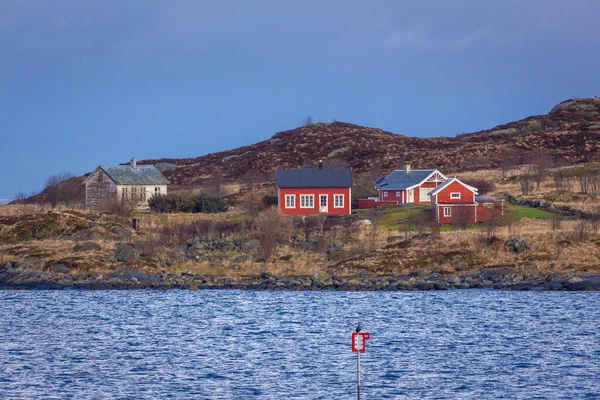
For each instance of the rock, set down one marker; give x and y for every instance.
(495, 274)
(574, 279)
(120, 231)
(108, 260)
(126, 253)
(87, 246)
(250, 245)
(240, 259)
(6, 266)
(321, 277)
(433, 277)
(361, 273)
(517, 245)
(59, 268)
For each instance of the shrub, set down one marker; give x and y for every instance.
(483, 186)
(186, 202)
(271, 229)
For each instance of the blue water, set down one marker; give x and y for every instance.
(296, 345)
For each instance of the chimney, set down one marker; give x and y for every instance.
(320, 164)
(133, 163)
(407, 168)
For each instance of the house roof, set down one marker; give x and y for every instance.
(448, 182)
(140, 175)
(400, 180)
(313, 178)
(487, 198)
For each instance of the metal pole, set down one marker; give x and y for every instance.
(358, 375)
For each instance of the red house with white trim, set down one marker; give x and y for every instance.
(405, 186)
(456, 202)
(309, 191)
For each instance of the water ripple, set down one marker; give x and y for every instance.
(295, 345)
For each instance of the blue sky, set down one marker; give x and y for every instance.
(84, 83)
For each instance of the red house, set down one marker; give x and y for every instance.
(456, 202)
(404, 186)
(309, 191)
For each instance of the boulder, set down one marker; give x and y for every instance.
(126, 253)
(119, 231)
(517, 245)
(250, 245)
(59, 268)
(86, 246)
(322, 278)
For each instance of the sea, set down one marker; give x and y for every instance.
(226, 344)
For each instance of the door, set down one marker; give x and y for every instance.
(323, 203)
(424, 198)
(411, 196)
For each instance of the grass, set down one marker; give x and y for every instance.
(395, 216)
(521, 212)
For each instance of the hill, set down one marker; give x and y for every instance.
(570, 133)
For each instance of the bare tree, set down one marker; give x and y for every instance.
(508, 161)
(594, 219)
(306, 121)
(526, 182)
(556, 222)
(540, 164)
(57, 189)
(214, 184)
(562, 181)
(20, 196)
(271, 228)
(375, 216)
(462, 217)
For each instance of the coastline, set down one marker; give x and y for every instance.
(499, 278)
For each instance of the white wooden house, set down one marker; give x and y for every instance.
(131, 182)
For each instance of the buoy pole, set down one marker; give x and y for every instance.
(358, 375)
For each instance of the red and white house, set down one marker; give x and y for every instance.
(310, 191)
(404, 186)
(456, 202)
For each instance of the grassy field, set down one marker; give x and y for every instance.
(395, 217)
(520, 212)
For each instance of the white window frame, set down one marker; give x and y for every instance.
(397, 194)
(385, 193)
(488, 205)
(157, 190)
(447, 211)
(335, 201)
(453, 197)
(288, 203)
(304, 200)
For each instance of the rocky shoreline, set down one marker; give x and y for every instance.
(498, 278)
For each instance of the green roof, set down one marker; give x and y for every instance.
(140, 175)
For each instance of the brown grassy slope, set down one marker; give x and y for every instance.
(570, 132)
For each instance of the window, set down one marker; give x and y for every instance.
(488, 205)
(125, 193)
(397, 194)
(290, 201)
(134, 194)
(338, 201)
(447, 211)
(143, 194)
(384, 194)
(455, 195)
(307, 201)
(157, 190)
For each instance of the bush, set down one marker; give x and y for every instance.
(271, 229)
(186, 202)
(484, 186)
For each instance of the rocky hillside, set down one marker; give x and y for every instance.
(570, 132)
